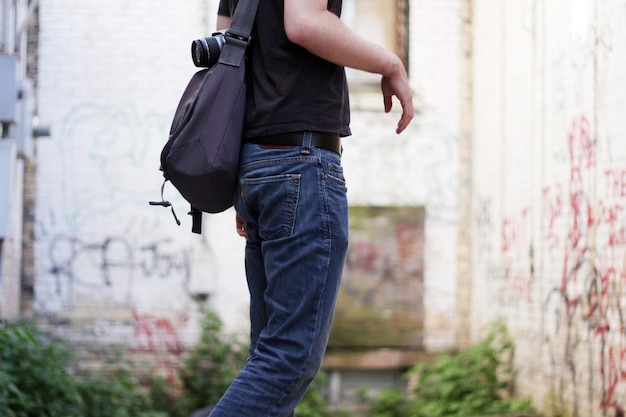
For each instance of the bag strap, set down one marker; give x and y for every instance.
(237, 39)
(243, 18)
(238, 35)
(196, 220)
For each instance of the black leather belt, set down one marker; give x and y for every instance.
(330, 141)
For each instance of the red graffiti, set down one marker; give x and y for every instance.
(582, 147)
(617, 237)
(157, 334)
(514, 230)
(608, 214)
(552, 211)
(615, 183)
(614, 372)
(364, 256)
(582, 159)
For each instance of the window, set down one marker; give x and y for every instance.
(384, 22)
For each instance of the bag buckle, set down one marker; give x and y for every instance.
(164, 203)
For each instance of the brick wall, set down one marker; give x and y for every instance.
(548, 184)
(549, 160)
(109, 269)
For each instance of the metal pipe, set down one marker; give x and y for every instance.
(20, 33)
(6, 27)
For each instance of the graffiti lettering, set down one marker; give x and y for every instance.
(114, 260)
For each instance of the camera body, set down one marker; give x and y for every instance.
(205, 52)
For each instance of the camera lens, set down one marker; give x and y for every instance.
(200, 53)
(206, 51)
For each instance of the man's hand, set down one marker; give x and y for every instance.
(398, 85)
(311, 25)
(241, 227)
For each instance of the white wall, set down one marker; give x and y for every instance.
(549, 201)
(111, 74)
(109, 268)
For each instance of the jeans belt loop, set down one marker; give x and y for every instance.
(306, 142)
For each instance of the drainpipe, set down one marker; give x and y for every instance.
(465, 213)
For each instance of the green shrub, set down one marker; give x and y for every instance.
(116, 395)
(34, 380)
(210, 367)
(477, 381)
(389, 403)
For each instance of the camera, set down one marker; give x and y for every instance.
(205, 52)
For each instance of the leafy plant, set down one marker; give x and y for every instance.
(474, 382)
(390, 403)
(34, 380)
(116, 395)
(210, 366)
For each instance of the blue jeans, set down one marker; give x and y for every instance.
(293, 202)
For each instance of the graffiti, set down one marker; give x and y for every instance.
(365, 256)
(517, 254)
(610, 209)
(383, 272)
(615, 183)
(615, 372)
(160, 335)
(156, 334)
(484, 226)
(515, 231)
(587, 304)
(553, 209)
(427, 155)
(389, 274)
(112, 263)
(100, 162)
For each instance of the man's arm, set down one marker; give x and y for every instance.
(309, 24)
(223, 22)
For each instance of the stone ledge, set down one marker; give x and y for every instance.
(379, 359)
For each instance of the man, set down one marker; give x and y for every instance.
(291, 206)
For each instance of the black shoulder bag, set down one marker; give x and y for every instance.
(202, 154)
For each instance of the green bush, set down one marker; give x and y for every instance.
(34, 380)
(210, 367)
(477, 381)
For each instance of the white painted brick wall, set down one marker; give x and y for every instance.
(549, 163)
(549, 182)
(110, 76)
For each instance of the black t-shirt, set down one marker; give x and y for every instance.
(290, 89)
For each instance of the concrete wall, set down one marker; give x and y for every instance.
(112, 270)
(549, 182)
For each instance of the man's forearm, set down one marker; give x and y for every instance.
(309, 24)
(223, 22)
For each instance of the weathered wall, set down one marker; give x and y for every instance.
(111, 269)
(549, 184)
